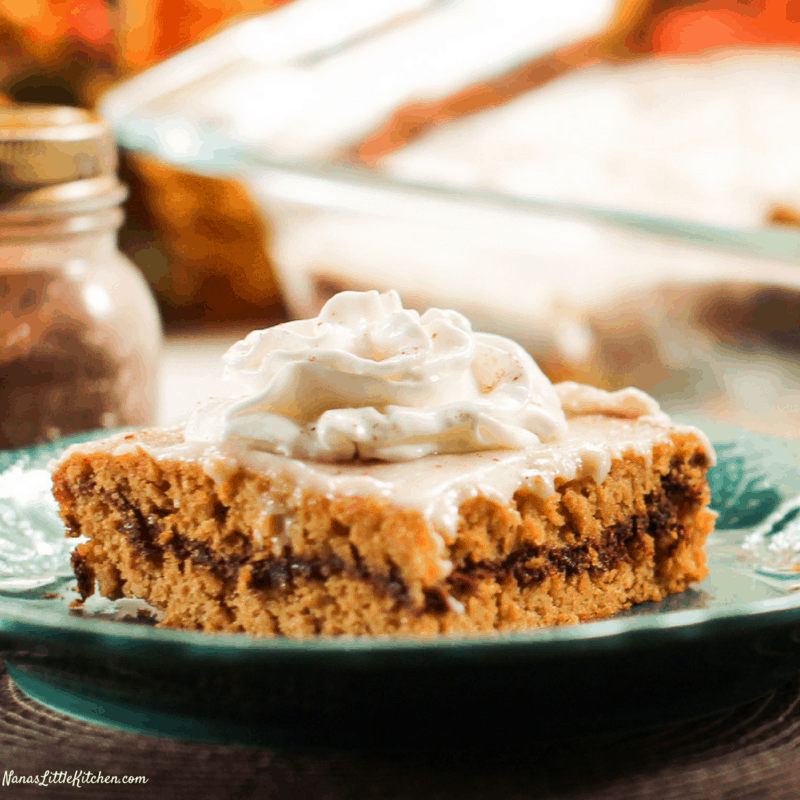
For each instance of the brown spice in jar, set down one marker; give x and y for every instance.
(53, 380)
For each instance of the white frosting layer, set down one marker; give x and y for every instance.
(615, 424)
(434, 485)
(369, 378)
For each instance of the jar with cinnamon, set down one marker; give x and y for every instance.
(79, 330)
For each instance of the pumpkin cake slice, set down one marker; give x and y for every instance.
(449, 516)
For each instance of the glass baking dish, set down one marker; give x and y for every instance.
(707, 319)
(702, 316)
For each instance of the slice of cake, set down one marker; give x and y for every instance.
(383, 472)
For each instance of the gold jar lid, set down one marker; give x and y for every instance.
(55, 161)
(44, 145)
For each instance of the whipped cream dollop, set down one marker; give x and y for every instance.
(368, 378)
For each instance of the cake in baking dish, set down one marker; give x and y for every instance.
(385, 472)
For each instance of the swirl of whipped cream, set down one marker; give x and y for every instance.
(368, 378)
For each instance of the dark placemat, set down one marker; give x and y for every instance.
(746, 752)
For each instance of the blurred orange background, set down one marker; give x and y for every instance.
(198, 240)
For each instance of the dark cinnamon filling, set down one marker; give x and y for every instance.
(624, 542)
(84, 575)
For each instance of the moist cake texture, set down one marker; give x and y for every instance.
(222, 535)
(265, 551)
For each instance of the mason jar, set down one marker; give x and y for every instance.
(80, 334)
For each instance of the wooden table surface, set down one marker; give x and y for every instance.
(747, 753)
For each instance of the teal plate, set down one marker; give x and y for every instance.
(732, 638)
